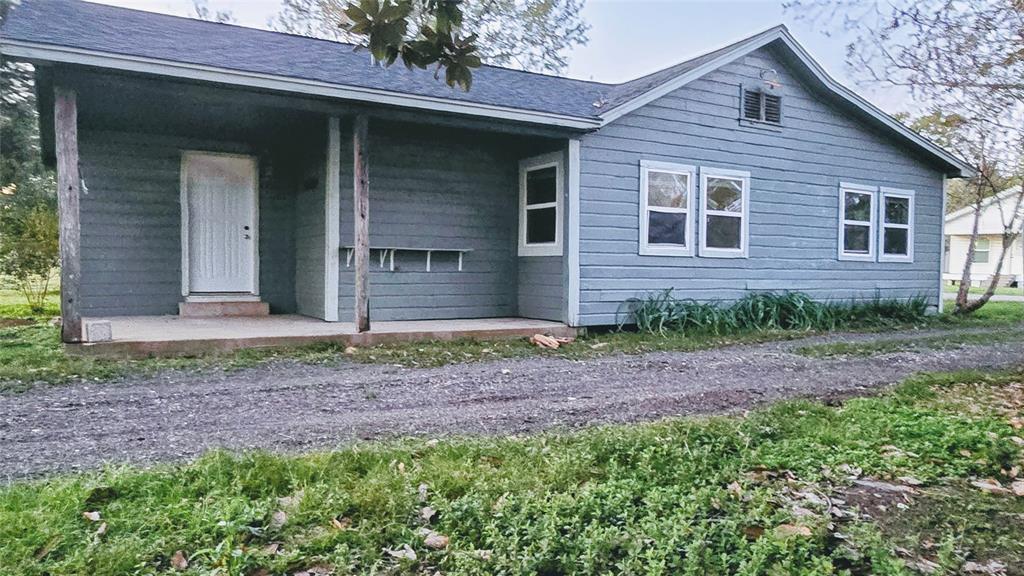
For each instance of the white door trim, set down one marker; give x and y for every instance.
(183, 198)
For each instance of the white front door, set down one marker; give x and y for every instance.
(220, 216)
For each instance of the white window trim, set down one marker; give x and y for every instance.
(909, 226)
(647, 249)
(554, 159)
(743, 250)
(872, 223)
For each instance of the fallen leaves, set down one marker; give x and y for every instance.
(179, 561)
(404, 553)
(791, 530)
(993, 486)
(433, 540)
(1017, 488)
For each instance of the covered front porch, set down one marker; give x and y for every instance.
(357, 224)
(133, 336)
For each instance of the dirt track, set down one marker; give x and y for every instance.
(285, 406)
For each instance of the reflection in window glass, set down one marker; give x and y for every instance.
(724, 232)
(856, 239)
(858, 206)
(667, 190)
(725, 194)
(666, 228)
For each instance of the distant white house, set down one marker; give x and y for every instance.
(990, 244)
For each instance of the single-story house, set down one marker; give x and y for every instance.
(207, 168)
(995, 215)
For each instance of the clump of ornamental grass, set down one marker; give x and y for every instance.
(662, 312)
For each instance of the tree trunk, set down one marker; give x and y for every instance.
(965, 277)
(1008, 239)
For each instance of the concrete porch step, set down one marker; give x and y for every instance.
(225, 308)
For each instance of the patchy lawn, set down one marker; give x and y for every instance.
(32, 352)
(13, 306)
(978, 291)
(889, 346)
(921, 477)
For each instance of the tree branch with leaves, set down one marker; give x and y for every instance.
(455, 37)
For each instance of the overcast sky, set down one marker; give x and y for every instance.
(629, 38)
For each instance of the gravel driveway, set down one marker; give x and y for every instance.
(289, 407)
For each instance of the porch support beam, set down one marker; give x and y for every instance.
(68, 189)
(332, 220)
(361, 220)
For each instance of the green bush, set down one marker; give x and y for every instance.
(660, 312)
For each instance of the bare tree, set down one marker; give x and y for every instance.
(202, 11)
(961, 60)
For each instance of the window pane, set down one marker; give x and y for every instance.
(981, 251)
(896, 241)
(897, 210)
(858, 206)
(723, 232)
(666, 228)
(856, 239)
(725, 194)
(667, 190)
(540, 225)
(540, 185)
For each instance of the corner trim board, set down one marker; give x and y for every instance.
(573, 304)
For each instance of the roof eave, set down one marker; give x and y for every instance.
(955, 166)
(66, 55)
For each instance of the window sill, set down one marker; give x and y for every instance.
(540, 250)
(759, 125)
(717, 253)
(897, 259)
(857, 257)
(664, 251)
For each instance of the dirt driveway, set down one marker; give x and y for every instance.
(289, 407)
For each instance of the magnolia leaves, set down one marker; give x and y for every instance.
(385, 24)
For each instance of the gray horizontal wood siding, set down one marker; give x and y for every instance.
(435, 188)
(795, 174)
(131, 224)
(541, 289)
(310, 236)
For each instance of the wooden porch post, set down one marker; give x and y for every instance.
(68, 184)
(361, 197)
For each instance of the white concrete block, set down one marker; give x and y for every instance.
(97, 330)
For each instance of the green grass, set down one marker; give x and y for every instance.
(12, 305)
(978, 291)
(890, 346)
(684, 496)
(33, 353)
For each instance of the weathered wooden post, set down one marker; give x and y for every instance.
(361, 197)
(68, 184)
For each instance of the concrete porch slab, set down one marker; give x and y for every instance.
(134, 336)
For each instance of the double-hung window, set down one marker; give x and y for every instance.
(724, 215)
(540, 205)
(896, 235)
(856, 222)
(666, 208)
(982, 249)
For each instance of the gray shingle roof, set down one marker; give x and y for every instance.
(102, 28)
